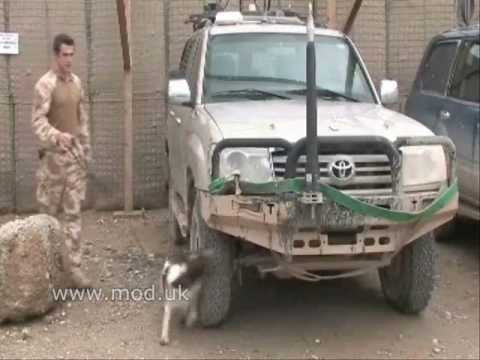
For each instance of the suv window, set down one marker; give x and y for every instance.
(187, 50)
(436, 70)
(189, 59)
(466, 83)
(276, 62)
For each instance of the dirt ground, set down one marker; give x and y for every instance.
(270, 319)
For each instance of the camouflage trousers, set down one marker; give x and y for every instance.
(61, 189)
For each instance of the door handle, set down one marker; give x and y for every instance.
(444, 115)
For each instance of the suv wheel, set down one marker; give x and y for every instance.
(215, 299)
(407, 283)
(176, 238)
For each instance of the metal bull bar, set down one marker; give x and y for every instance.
(347, 144)
(344, 144)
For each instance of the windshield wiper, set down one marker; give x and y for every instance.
(248, 93)
(325, 94)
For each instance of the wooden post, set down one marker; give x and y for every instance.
(332, 14)
(353, 15)
(125, 24)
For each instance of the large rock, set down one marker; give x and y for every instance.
(30, 266)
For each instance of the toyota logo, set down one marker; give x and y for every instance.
(342, 169)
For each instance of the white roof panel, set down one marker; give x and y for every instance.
(269, 28)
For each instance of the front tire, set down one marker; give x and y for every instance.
(175, 236)
(407, 283)
(216, 295)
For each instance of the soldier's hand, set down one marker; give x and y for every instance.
(65, 141)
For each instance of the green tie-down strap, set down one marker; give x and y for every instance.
(223, 186)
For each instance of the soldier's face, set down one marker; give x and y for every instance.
(65, 58)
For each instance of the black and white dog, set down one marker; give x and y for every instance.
(182, 275)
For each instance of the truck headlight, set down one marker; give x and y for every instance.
(253, 164)
(424, 167)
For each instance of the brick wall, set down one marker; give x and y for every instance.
(106, 99)
(411, 26)
(368, 34)
(391, 36)
(98, 62)
(6, 138)
(31, 21)
(150, 171)
(179, 31)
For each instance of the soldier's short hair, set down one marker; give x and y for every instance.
(61, 39)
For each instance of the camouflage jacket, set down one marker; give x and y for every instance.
(45, 132)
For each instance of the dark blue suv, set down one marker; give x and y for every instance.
(446, 98)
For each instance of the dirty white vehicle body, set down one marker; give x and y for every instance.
(223, 143)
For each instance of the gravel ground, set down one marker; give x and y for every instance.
(271, 318)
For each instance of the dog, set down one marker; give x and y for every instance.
(182, 274)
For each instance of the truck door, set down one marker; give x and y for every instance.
(179, 108)
(426, 101)
(460, 116)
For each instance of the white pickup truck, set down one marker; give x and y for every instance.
(237, 155)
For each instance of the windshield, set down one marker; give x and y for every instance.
(272, 66)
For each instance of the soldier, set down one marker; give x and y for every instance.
(60, 123)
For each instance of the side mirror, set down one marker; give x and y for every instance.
(389, 92)
(179, 92)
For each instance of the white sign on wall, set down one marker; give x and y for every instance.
(8, 43)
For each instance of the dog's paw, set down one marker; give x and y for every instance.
(164, 341)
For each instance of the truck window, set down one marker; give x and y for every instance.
(277, 62)
(466, 83)
(187, 62)
(186, 54)
(436, 71)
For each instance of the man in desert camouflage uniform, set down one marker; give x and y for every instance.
(60, 123)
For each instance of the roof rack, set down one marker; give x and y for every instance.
(277, 16)
(201, 20)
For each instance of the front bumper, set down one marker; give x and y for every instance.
(288, 227)
(281, 221)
